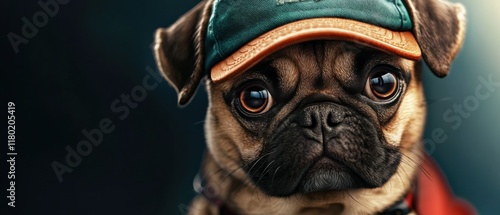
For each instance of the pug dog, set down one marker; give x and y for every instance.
(315, 107)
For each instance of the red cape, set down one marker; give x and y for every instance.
(434, 197)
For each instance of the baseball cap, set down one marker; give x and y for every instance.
(240, 33)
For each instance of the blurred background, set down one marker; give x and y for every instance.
(67, 77)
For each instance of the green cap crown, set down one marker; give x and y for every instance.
(234, 23)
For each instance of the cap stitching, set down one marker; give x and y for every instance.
(218, 55)
(250, 51)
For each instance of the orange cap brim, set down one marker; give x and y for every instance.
(396, 42)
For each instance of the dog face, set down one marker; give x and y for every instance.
(321, 115)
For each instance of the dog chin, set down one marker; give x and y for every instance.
(327, 174)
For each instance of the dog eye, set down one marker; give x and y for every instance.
(255, 99)
(381, 85)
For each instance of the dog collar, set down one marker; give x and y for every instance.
(431, 195)
(402, 207)
(199, 185)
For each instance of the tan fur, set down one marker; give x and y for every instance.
(251, 201)
(179, 51)
(229, 146)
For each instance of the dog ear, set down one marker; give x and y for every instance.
(439, 27)
(179, 51)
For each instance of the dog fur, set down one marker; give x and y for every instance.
(326, 68)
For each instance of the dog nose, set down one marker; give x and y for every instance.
(320, 118)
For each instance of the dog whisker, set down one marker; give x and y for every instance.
(406, 174)
(401, 179)
(264, 171)
(422, 169)
(275, 171)
(199, 122)
(349, 194)
(300, 198)
(249, 171)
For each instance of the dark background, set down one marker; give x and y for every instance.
(91, 52)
